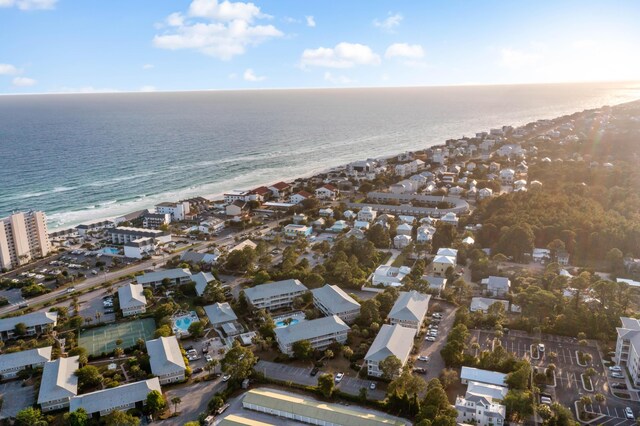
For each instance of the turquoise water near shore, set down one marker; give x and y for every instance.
(93, 156)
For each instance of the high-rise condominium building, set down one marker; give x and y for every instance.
(23, 237)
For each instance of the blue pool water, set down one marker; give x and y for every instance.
(182, 323)
(110, 250)
(281, 324)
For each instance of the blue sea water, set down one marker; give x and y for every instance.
(91, 156)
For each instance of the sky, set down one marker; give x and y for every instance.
(54, 46)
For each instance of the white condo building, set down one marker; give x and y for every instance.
(391, 340)
(628, 347)
(410, 309)
(321, 332)
(332, 300)
(23, 237)
(274, 295)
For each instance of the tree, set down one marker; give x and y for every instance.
(176, 400)
(238, 362)
(156, 402)
(78, 417)
(585, 400)
(448, 377)
(390, 366)
(326, 385)
(196, 329)
(120, 418)
(519, 404)
(379, 236)
(444, 236)
(30, 417)
(88, 376)
(519, 378)
(407, 383)
(615, 260)
(20, 329)
(162, 331)
(369, 312)
(302, 349)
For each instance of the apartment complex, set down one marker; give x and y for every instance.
(59, 383)
(628, 347)
(165, 357)
(391, 340)
(23, 237)
(132, 299)
(276, 295)
(410, 309)
(332, 300)
(320, 332)
(121, 398)
(35, 323)
(13, 363)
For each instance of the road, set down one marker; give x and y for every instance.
(195, 398)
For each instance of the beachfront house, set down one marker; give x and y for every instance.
(275, 295)
(332, 300)
(320, 332)
(391, 340)
(280, 190)
(178, 211)
(132, 299)
(167, 362)
(299, 197)
(58, 384)
(327, 192)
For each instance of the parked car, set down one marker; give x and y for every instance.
(617, 375)
(314, 371)
(372, 385)
(618, 385)
(226, 378)
(540, 347)
(430, 339)
(420, 370)
(423, 358)
(628, 412)
(615, 368)
(339, 377)
(208, 358)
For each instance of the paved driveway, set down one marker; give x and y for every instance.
(350, 385)
(15, 398)
(194, 397)
(432, 349)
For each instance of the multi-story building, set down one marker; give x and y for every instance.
(276, 295)
(479, 409)
(332, 300)
(35, 323)
(391, 340)
(628, 347)
(367, 214)
(12, 363)
(166, 359)
(175, 277)
(155, 220)
(121, 398)
(23, 237)
(132, 300)
(59, 383)
(294, 231)
(125, 234)
(178, 211)
(410, 309)
(235, 195)
(320, 333)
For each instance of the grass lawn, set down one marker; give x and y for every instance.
(399, 261)
(103, 339)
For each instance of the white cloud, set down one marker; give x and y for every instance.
(249, 75)
(84, 89)
(148, 88)
(404, 50)
(517, 59)
(8, 69)
(344, 55)
(219, 29)
(148, 66)
(29, 4)
(337, 79)
(389, 23)
(311, 21)
(23, 82)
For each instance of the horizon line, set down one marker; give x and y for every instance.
(471, 84)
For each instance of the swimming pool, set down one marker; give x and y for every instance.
(289, 319)
(181, 323)
(110, 250)
(281, 324)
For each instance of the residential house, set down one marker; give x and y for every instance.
(220, 314)
(470, 374)
(14, 362)
(389, 276)
(178, 211)
(36, 323)
(451, 218)
(361, 224)
(497, 286)
(404, 229)
(367, 214)
(132, 299)
(332, 300)
(485, 193)
(121, 398)
(541, 255)
(275, 295)
(137, 249)
(235, 195)
(441, 263)
(401, 241)
(166, 359)
(339, 226)
(507, 176)
(259, 194)
(410, 309)
(59, 383)
(293, 231)
(327, 192)
(196, 258)
(299, 218)
(391, 340)
(425, 234)
(481, 304)
(437, 284)
(479, 409)
(280, 189)
(328, 212)
(237, 209)
(320, 333)
(562, 257)
(211, 226)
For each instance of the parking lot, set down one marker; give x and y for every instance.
(432, 349)
(349, 384)
(15, 398)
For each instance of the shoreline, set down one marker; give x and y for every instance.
(287, 178)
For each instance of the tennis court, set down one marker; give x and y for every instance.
(103, 339)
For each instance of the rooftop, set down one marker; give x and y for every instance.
(156, 276)
(391, 340)
(165, 356)
(16, 360)
(131, 296)
(268, 290)
(109, 399)
(311, 329)
(410, 306)
(30, 320)
(220, 313)
(59, 380)
(482, 376)
(335, 299)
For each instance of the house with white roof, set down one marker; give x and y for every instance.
(220, 314)
(407, 219)
(132, 299)
(280, 189)
(507, 176)
(275, 295)
(391, 340)
(628, 347)
(328, 212)
(410, 309)
(327, 192)
(332, 300)
(367, 214)
(485, 193)
(480, 409)
(196, 258)
(425, 233)
(299, 197)
(36, 323)
(361, 224)
(320, 333)
(13, 363)
(339, 226)
(202, 279)
(451, 218)
(436, 283)
(167, 362)
(469, 241)
(541, 255)
(481, 304)
(497, 286)
(58, 384)
(175, 276)
(441, 263)
(389, 276)
(401, 241)
(404, 229)
(121, 398)
(349, 214)
(470, 374)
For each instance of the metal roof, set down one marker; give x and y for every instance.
(391, 340)
(59, 380)
(308, 330)
(277, 288)
(410, 306)
(335, 299)
(17, 360)
(131, 296)
(172, 274)
(29, 320)
(110, 399)
(165, 356)
(220, 313)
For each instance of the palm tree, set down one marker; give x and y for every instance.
(88, 320)
(98, 316)
(175, 401)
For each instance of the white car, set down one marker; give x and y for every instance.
(628, 412)
(226, 378)
(617, 375)
(339, 377)
(615, 368)
(208, 358)
(372, 386)
(540, 347)
(423, 358)
(430, 339)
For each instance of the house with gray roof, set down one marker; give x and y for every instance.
(36, 323)
(195, 257)
(391, 340)
(59, 383)
(121, 398)
(482, 304)
(410, 309)
(165, 357)
(275, 295)
(470, 374)
(497, 286)
(202, 279)
(175, 276)
(132, 299)
(320, 332)
(12, 363)
(479, 410)
(220, 313)
(332, 300)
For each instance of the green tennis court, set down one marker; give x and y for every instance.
(103, 339)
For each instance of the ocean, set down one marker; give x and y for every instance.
(91, 156)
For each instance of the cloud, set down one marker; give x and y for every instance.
(311, 22)
(389, 23)
(249, 75)
(337, 79)
(344, 55)
(404, 50)
(148, 66)
(517, 59)
(148, 88)
(23, 82)
(219, 29)
(8, 69)
(84, 89)
(29, 4)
